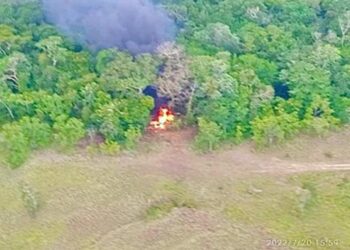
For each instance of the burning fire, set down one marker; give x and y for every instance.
(164, 117)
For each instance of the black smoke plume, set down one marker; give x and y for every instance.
(134, 25)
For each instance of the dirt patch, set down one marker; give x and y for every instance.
(171, 153)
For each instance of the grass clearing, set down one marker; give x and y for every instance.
(172, 198)
(9, 198)
(288, 207)
(308, 206)
(34, 237)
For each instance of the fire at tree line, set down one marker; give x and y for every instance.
(260, 70)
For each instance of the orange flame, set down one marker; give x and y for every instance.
(164, 117)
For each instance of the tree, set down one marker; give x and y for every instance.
(266, 71)
(255, 13)
(319, 116)
(306, 80)
(212, 75)
(8, 40)
(209, 135)
(15, 72)
(341, 81)
(219, 35)
(175, 81)
(29, 13)
(121, 75)
(119, 119)
(344, 25)
(53, 51)
(14, 106)
(325, 56)
(275, 126)
(341, 108)
(38, 133)
(68, 132)
(50, 107)
(132, 136)
(14, 145)
(272, 42)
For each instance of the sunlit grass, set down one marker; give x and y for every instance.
(287, 207)
(304, 206)
(33, 237)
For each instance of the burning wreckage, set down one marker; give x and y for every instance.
(167, 108)
(162, 114)
(174, 89)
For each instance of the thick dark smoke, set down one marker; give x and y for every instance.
(134, 25)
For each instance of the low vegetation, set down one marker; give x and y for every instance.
(171, 195)
(30, 199)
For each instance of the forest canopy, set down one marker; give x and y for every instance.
(265, 70)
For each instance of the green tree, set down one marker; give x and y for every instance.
(121, 75)
(307, 80)
(266, 71)
(67, 132)
(38, 134)
(15, 72)
(132, 137)
(319, 116)
(342, 81)
(275, 126)
(53, 51)
(219, 35)
(212, 74)
(209, 135)
(14, 145)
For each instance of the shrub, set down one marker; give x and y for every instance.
(109, 148)
(15, 145)
(68, 132)
(132, 136)
(319, 117)
(30, 200)
(274, 128)
(209, 136)
(39, 134)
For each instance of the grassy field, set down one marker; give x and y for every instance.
(301, 210)
(172, 198)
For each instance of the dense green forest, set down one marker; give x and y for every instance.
(265, 70)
